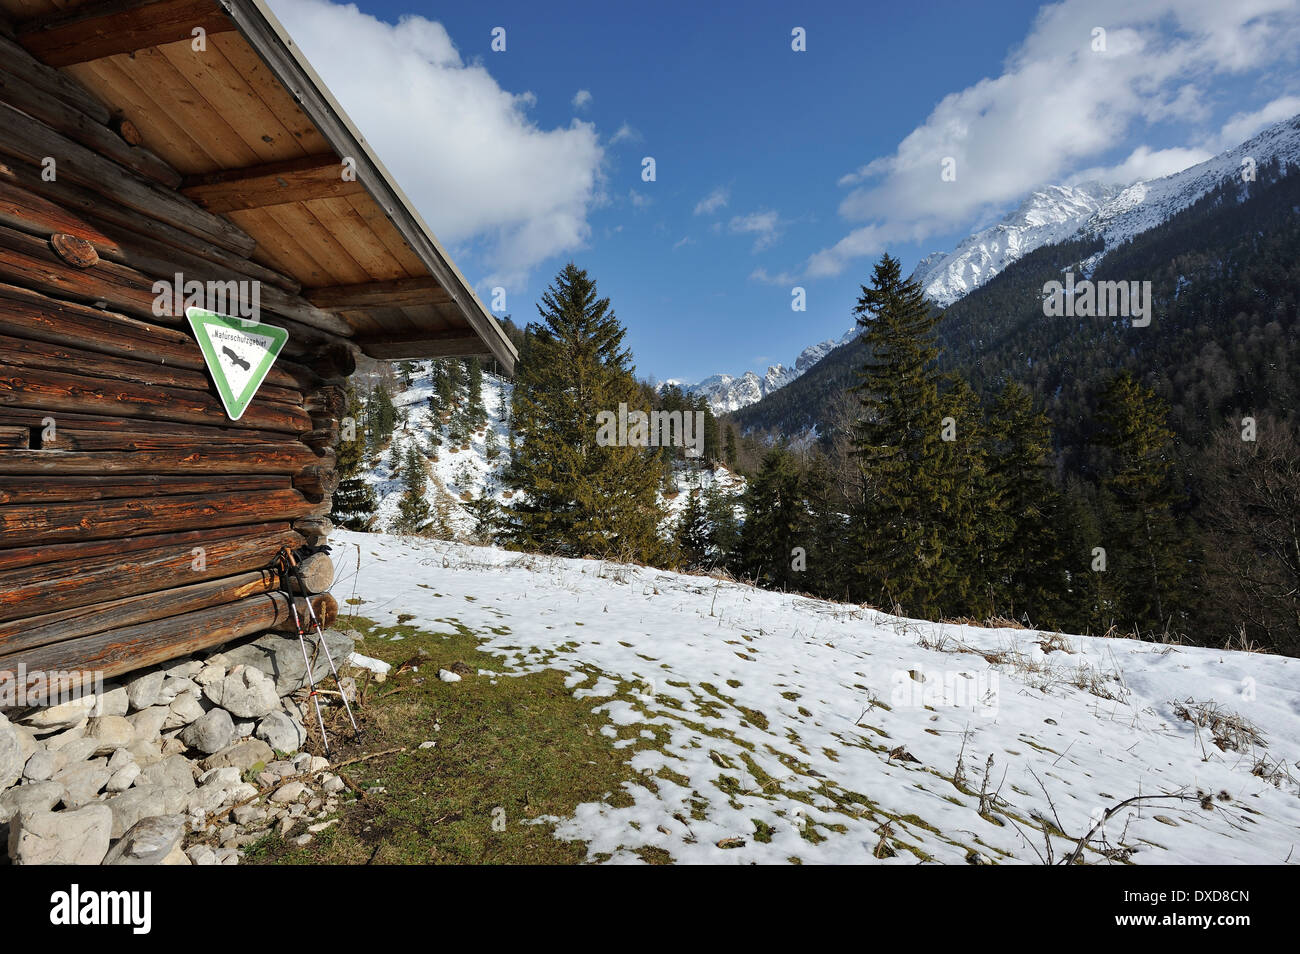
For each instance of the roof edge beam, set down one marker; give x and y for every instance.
(109, 27)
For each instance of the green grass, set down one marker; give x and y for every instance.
(505, 753)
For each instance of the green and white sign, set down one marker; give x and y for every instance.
(238, 352)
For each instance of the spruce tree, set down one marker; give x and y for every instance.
(899, 522)
(694, 542)
(1148, 555)
(775, 523)
(1032, 577)
(574, 495)
(354, 504)
(476, 412)
(413, 511)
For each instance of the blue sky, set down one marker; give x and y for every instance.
(774, 168)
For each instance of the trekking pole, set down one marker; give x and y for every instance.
(323, 645)
(285, 558)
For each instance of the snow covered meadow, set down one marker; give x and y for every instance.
(771, 728)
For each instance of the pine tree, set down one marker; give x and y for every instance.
(1032, 577)
(413, 511)
(1148, 555)
(694, 540)
(724, 527)
(775, 524)
(729, 448)
(827, 533)
(575, 495)
(476, 413)
(354, 504)
(899, 524)
(381, 416)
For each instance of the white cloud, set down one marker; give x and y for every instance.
(1056, 105)
(624, 133)
(582, 99)
(639, 200)
(480, 171)
(683, 242)
(715, 200)
(1244, 125)
(767, 278)
(1145, 163)
(765, 226)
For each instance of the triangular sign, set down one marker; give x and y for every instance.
(238, 352)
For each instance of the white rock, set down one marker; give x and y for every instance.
(32, 797)
(70, 734)
(148, 723)
(83, 781)
(186, 708)
(280, 732)
(113, 702)
(333, 784)
(246, 692)
(123, 778)
(210, 734)
(226, 776)
(43, 765)
(446, 675)
(61, 838)
(110, 733)
(318, 764)
(289, 792)
(142, 691)
(150, 841)
(63, 716)
(120, 759)
(172, 687)
(202, 855)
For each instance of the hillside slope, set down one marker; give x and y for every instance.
(773, 728)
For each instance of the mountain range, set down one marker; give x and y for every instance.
(1105, 215)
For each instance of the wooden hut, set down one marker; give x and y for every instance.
(146, 141)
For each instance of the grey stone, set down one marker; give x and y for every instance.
(212, 733)
(120, 760)
(71, 734)
(123, 778)
(78, 750)
(44, 764)
(60, 717)
(142, 691)
(211, 672)
(244, 728)
(243, 755)
(186, 708)
(172, 687)
(281, 658)
(145, 753)
(149, 841)
(83, 782)
(11, 754)
(148, 723)
(246, 692)
(174, 777)
(202, 855)
(289, 792)
(186, 668)
(110, 732)
(333, 784)
(113, 701)
(134, 804)
(32, 797)
(281, 733)
(61, 838)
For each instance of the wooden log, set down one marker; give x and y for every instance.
(77, 252)
(288, 458)
(28, 314)
(23, 634)
(99, 432)
(328, 400)
(96, 30)
(315, 530)
(324, 436)
(317, 572)
(56, 391)
(16, 61)
(129, 648)
(62, 522)
(397, 293)
(101, 571)
(15, 438)
(29, 203)
(23, 490)
(29, 262)
(30, 141)
(39, 102)
(272, 183)
(20, 353)
(316, 482)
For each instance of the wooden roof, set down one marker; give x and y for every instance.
(256, 138)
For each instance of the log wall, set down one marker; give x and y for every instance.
(138, 523)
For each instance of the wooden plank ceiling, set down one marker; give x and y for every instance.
(248, 151)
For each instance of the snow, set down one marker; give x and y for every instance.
(777, 715)
(1058, 213)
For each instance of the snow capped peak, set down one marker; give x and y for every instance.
(726, 392)
(1055, 213)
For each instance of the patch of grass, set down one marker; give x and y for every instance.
(507, 754)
